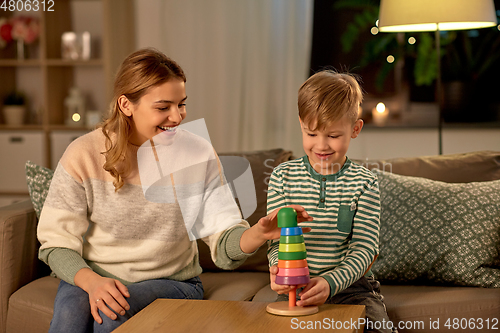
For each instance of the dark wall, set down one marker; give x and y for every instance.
(329, 25)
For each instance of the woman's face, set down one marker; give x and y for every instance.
(161, 109)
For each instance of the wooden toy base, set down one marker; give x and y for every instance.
(282, 309)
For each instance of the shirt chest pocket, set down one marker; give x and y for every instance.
(344, 218)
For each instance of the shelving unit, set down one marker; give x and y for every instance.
(46, 78)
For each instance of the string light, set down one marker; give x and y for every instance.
(374, 30)
(390, 59)
(412, 40)
(76, 117)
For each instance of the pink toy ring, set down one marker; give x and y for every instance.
(293, 271)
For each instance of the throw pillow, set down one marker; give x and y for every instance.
(38, 179)
(477, 166)
(445, 233)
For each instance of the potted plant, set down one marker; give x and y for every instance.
(14, 108)
(469, 61)
(421, 55)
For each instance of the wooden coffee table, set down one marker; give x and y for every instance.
(192, 316)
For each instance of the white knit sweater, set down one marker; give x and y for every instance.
(85, 223)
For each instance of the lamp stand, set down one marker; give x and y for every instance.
(439, 91)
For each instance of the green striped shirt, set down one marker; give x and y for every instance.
(346, 211)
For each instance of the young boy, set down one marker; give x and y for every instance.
(341, 196)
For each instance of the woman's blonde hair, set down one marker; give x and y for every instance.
(326, 97)
(140, 71)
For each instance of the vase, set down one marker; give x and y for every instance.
(20, 50)
(14, 114)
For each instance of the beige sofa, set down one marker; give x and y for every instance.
(27, 292)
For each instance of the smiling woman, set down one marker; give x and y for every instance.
(143, 74)
(114, 248)
(107, 213)
(161, 109)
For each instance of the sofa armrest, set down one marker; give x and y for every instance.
(18, 251)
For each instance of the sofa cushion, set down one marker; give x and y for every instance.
(262, 163)
(419, 305)
(265, 294)
(436, 232)
(38, 179)
(452, 168)
(18, 251)
(461, 307)
(233, 286)
(31, 307)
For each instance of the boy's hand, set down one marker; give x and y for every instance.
(280, 288)
(316, 292)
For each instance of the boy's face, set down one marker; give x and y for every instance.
(327, 148)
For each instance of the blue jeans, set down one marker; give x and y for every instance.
(365, 291)
(72, 308)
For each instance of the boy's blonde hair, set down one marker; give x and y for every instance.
(326, 97)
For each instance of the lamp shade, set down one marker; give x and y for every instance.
(432, 15)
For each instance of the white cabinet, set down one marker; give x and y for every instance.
(59, 140)
(17, 147)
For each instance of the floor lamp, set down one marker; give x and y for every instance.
(436, 15)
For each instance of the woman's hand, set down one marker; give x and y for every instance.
(267, 228)
(316, 292)
(268, 225)
(105, 294)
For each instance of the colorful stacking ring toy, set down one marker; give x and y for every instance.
(292, 265)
